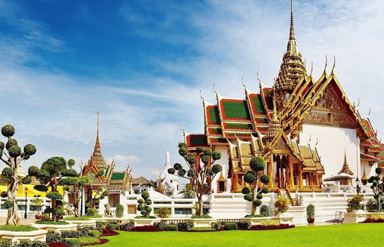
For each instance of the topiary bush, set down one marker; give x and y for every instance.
(282, 204)
(114, 227)
(94, 233)
(54, 237)
(310, 211)
(127, 226)
(171, 228)
(184, 225)
(244, 225)
(163, 212)
(119, 210)
(144, 203)
(72, 242)
(70, 234)
(91, 212)
(231, 226)
(264, 210)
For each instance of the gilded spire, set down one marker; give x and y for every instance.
(97, 144)
(292, 70)
(345, 168)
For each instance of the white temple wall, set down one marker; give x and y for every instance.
(224, 164)
(333, 142)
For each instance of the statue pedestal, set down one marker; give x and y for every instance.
(354, 217)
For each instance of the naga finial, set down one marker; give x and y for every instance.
(317, 142)
(310, 75)
(334, 64)
(369, 112)
(242, 82)
(260, 84)
(310, 138)
(326, 64)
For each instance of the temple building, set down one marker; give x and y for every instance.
(118, 183)
(168, 184)
(305, 128)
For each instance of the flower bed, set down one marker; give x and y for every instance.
(107, 232)
(148, 228)
(370, 220)
(56, 245)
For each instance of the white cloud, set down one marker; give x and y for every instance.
(124, 159)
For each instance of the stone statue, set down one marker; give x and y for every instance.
(107, 211)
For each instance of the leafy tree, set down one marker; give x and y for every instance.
(187, 191)
(12, 157)
(74, 182)
(377, 186)
(119, 210)
(100, 192)
(163, 212)
(256, 181)
(50, 174)
(37, 202)
(144, 204)
(201, 170)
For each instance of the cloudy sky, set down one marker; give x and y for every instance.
(141, 64)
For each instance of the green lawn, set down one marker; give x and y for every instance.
(331, 235)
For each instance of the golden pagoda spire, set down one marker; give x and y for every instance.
(292, 46)
(97, 144)
(292, 69)
(345, 168)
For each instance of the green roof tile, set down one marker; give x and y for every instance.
(213, 115)
(258, 104)
(117, 176)
(236, 109)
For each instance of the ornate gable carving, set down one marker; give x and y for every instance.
(329, 100)
(281, 145)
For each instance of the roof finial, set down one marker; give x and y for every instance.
(310, 75)
(334, 64)
(292, 29)
(242, 82)
(326, 63)
(202, 98)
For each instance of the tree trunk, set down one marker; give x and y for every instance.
(76, 209)
(200, 203)
(12, 218)
(253, 212)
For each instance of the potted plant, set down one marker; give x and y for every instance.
(37, 203)
(310, 213)
(282, 205)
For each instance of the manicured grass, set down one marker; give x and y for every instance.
(331, 235)
(19, 228)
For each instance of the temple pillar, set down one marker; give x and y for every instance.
(270, 171)
(300, 177)
(291, 182)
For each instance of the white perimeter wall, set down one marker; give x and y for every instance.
(333, 142)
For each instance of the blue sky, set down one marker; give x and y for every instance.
(141, 64)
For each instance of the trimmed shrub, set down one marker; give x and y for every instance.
(70, 234)
(217, 225)
(160, 225)
(231, 226)
(127, 226)
(72, 242)
(264, 210)
(163, 212)
(88, 240)
(114, 227)
(171, 228)
(310, 211)
(54, 237)
(5, 243)
(91, 212)
(119, 210)
(184, 225)
(244, 225)
(19, 228)
(101, 224)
